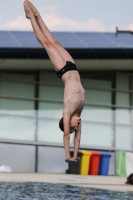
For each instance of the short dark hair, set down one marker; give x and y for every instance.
(61, 124)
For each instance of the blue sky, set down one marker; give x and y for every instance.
(70, 15)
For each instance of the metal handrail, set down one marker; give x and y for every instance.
(123, 31)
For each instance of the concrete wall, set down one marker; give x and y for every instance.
(20, 158)
(51, 159)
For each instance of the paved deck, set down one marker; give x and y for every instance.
(102, 182)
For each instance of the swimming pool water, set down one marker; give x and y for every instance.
(48, 191)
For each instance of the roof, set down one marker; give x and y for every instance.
(92, 44)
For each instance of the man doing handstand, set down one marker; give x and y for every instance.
(64, 65)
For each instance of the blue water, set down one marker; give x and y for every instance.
(48, 191)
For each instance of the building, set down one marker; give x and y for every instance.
(31, 98)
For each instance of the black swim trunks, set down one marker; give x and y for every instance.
(68, 67)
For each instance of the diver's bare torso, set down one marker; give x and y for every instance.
(74, 93)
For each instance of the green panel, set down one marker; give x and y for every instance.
(95, 134)
(122, 81)
(52, 93)
(132, 116)
(50, 77)
(50, 106)
(98, 97)
(123, 112)
(97, 114)
(8, 104)
(101, 84)
(123, 137)
(131, 82)
(17, 77)
(17, 128)
(16, 89)
(49, 131)
(50, 110)
(131, 99)
(121, 168)
(122, 99)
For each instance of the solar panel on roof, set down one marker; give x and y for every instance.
(6, 40)
(67, 39)
(27, 39)
(122, 39)
(96, 40)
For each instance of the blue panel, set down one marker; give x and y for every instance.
(26, 39)
(68, 40)
(96, 40)
(123, 40)
(6, 40)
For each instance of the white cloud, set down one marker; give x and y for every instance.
(20, 23)
(57, 23)
(67, 24)
(126, 28)
(130, 27)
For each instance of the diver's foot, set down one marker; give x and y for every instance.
(28, 10)
(35, 11)
(74, 159)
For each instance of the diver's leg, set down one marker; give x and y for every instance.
(57, 60)
(48, 34)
